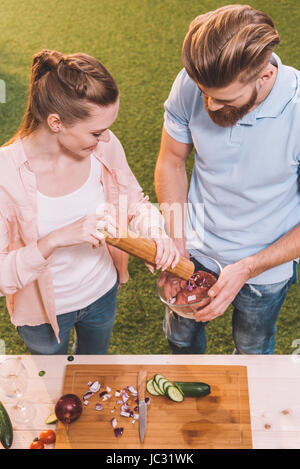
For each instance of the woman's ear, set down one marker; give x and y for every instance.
(54, 123)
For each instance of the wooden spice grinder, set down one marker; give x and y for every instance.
(145, 249)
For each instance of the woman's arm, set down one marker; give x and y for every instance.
(24, 265)
(18, 267)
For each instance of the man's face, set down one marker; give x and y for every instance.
(225, 106)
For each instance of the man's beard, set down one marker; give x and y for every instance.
(229, 115)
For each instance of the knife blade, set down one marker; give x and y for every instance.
(142, 405)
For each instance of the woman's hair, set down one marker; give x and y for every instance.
(65, 85)
(232, 42)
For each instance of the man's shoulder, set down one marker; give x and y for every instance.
(185, 95)
(185, 85)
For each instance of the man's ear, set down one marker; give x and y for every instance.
(267, 74)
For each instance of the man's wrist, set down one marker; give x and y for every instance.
(249, 266)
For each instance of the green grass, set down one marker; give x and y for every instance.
(140, 43)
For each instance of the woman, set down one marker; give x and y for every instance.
(63, 175)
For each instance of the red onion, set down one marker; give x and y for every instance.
(68, 408)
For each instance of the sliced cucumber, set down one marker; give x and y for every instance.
(161, 383)
(150, 388)
(174, 394)
(166, 385)
(157, 377)
(156, 388)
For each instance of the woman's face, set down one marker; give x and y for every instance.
(82, 138)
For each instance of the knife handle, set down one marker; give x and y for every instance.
(142, 376)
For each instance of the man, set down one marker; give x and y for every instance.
(239, 108)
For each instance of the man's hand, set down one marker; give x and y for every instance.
(223, 292)
(171, 283)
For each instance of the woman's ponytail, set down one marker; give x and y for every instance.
(65, 85)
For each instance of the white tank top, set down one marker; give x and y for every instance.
(81, 274)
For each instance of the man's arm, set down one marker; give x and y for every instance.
(171, 182)
(234, 276)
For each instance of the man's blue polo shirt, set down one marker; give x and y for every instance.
(245, 177)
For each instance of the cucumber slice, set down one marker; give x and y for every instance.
(161, 383)
(166, 385)
(150, 388)
(174, 394)
(157, 377)
(156, 388)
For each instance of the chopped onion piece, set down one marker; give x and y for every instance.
(136, 416)
(118, 431)
(125, 408)
(133, 421)
(85, 402)
(119, 401)
(108, 389)
(95, 386)
(132, 390)
(117, 393)
(98, 407)
(90, 383)
(114, 422)
(125, 414)
(147, 400)
(87, 395)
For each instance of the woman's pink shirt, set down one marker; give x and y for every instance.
(25, 276)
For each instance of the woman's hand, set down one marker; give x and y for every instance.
(123, 279)
(81, 231)
(167, 253)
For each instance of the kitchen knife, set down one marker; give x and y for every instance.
(142, 405)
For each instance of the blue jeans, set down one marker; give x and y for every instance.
(255, 312)
(93, 326)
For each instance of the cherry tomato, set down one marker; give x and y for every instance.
(47, 437)
(37, 444)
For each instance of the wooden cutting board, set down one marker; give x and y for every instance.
(219, 420)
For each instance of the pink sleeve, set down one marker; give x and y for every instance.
(19, 267)
(143, 215)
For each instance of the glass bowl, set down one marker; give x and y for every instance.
(208, 264)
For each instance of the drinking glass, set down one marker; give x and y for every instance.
(13, 383)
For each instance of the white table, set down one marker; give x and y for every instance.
(274, 391)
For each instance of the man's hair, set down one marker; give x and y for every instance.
(230, 43)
